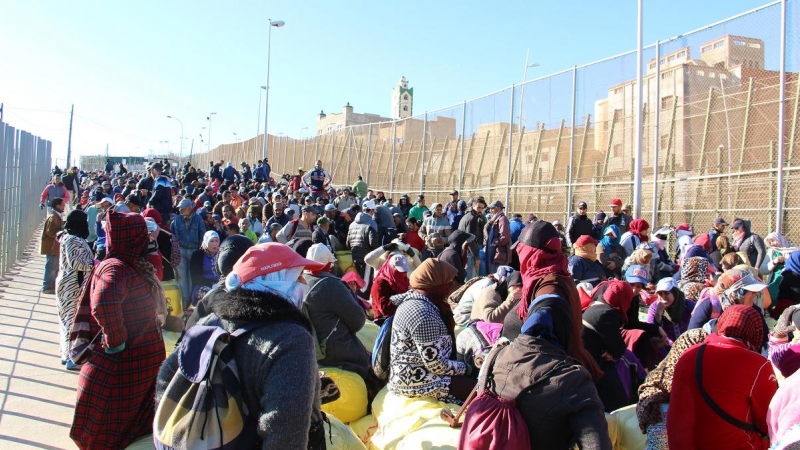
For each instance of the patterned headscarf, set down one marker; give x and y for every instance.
(744, 324)
(694, 269)
(657, 387)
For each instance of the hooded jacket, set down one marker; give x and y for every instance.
(473, 223)
(753, 246)
(386, 227)
(454, 253)
(361, 237)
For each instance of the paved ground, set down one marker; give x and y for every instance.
(37, 395)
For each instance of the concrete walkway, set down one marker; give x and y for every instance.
(37, 395)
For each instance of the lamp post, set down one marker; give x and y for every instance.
(276, 24)
(522, 90)
(209, 130)
(258, 122)
(180, 157)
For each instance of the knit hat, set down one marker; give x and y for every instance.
(320, 253)
(231, 249)
(542, 235)
(742, 323)
(323, 221)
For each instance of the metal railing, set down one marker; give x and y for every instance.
(24, 171)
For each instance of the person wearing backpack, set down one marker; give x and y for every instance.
(553, 393)
(721, 389)
(276, 362)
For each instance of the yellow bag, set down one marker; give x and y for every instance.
(623, 429)
(344, 260)
(352, 404)
(398, 416)
(170, 340)
(340, 437)
(433, 434)
(364, 428)
(174, 299)
(367, 335)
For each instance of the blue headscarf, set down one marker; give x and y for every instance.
(608, 242)
(549, 319)
(793, 263)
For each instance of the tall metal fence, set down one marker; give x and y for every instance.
(710, 134)
(24, 171)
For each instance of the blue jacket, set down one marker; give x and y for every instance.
(516, 228)
(189, 237)
(161, 199)
(584, 270)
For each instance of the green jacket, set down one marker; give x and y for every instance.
(360, 188)
(417, 212)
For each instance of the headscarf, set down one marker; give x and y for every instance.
(684, 242)
(639, 226)
(675, 310)
(704, 241)
(77, 224)
(657, 387)
(550, 318)
(694, 268)
(616, 294)
(586, 251)
(537, 260)
(397, 280)
(693, 251)
(779, 238)
(661, 244)
(207, 240)
(155, 215)
(744, 324)
(434, 279)
(282, 283)
(608, 242)
(793, 263)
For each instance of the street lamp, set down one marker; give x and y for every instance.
(302, 136)
(522, 91)
(209, 129)
(276, 24)
(258, 122)
(180, 157)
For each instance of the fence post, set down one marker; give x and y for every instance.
(571, 169)
(781, 123)
(463, 137)
(422, 158)
(510, 150)
(391, 160)
(657, 137)
(369, 152)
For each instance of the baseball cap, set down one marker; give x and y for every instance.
(288, 211)
(542, 235)
(735, 279)
(330, 207)
(264, 259)
(720, 221)
(157, 166)
(582, 205)
(309, 208)
(637, 274)
(106, 183)
(300, 169)
(496, 204)
(207, 204)
(664, 284)
(585, 239)
(320, 253)
(738, 223)
(275, 226)
(400, 263)
(185, 203)
(134, 199)
(107, 200)
(600, 216)
(616, 202)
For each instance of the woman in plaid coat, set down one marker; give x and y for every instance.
(116, 388)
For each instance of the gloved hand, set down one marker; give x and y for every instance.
(115, 350)
(785, 324)
(41, 205)
(472, 371)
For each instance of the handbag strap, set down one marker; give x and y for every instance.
(711, 403)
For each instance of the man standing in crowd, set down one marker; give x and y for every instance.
(301, 228)
(418, 210)
(188, 227)
(359, 188)
(161, 200)
(618, 217)
(451, 208)
(498, 238)
(579, 225)
(49, 245)
(52, 191)
(717, 230)
(473, 223)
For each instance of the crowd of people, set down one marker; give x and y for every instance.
(609, 311)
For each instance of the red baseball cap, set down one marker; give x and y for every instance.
(267, 258)
(585, 239)
(616, 202)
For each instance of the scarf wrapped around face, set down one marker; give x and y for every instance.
(534, 264)
(608, 242)
(744, 324)
(434, 279)
(616, 294)
(396, 279)
(640, 227)
(588, 251)
(657, 387)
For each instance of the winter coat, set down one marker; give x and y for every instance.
(462, 313)
(560, 412)
(295, 229)
(279, 375)
(474, 224)
(578, 226)
(621, 220)
(74, 265)
(586, 271)
(753, 246)
(498, 240)
(491, 306)
(49, 243)
(161, 200)
(114, 403)
(190, 235)
(421, 348)
(454, 254)
(516, 228)
(54, 191)
(230, 174)
(740, 381)
(361, 237)
(602, 332)
(336, 317)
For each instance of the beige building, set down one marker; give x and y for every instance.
(329, 123)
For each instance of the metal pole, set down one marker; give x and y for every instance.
(570, 188)
(266, 103)
(463, 138)
(781, 123)
(657, 137)
(422, 160)
(637, 165)
(510, 149)
(69, 139)
(258, 122)
(369, 152)
(391, 160)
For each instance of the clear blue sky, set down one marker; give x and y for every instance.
(127, 65)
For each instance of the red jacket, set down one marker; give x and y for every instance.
(412, 238)
(740, 381)
(380, 295)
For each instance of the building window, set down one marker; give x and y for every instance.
(405, 97)
(671, 58)
(667, 102)
(754, 45)
(719, 44)
(666, 75)
(664, 141)
(652, 65)
(722, 76)
(707, 48)
(616, 151)
(712, 74)
(682, 54)
(405, 108)
(738, 42)
(663, 61)
(618, 91)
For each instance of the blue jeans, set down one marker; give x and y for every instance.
(470, 267)
(50, 272)
(183, 275)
